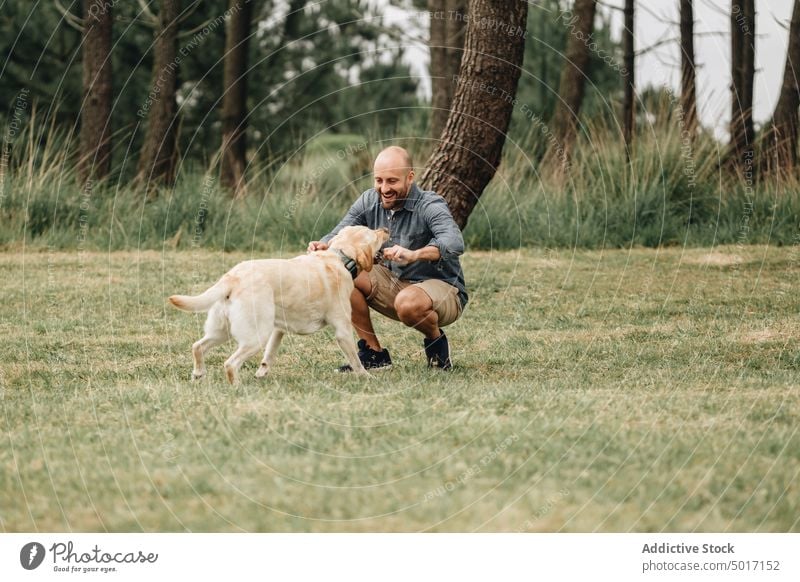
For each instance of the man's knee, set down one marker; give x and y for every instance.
(412, 304)
(363, 284)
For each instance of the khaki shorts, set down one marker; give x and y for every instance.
(386, 286)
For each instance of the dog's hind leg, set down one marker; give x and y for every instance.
(243, 353)
(215, 333)
(198, 351)
(269, 353)
(252, 322)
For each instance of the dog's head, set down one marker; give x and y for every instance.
(360, 243)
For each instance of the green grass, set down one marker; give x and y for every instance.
(640, 390)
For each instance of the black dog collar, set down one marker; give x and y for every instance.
(349, 264)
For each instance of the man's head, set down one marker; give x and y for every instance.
(394, 174)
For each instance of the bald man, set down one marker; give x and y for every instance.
(421, 283)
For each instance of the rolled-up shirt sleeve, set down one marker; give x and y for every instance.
(446, 234)
(356, 216)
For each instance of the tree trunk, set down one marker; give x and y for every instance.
(158, 157)
(628, 109)
(469, 153)
(742, 71)
(688, 74)
(95, 136)
(234, 100)
(580, 26)
(447, 32)
(781, 137)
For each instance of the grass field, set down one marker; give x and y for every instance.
(640, 390)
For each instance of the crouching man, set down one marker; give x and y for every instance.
(421, 283)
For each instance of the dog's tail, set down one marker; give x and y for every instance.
(203, 302)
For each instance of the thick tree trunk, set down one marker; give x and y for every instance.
(158, 157)
(743, 42)
(447, 32)
(467, 157)
(628, 109)
(580, 26)
(95, 136)
(782, 134)
(688, 74)
(234, 100)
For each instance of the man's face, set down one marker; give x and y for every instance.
(392, 182)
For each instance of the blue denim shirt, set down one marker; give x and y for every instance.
(424, 220)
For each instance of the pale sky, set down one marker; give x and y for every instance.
(656, 20)
(712, 54)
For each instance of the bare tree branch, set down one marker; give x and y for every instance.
(783, 25)
(666, 63)
(644, 8)
(149, 18)
(74, 21)
(198, 28)
(719, 10)
(662, 41)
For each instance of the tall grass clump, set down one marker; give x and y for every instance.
(45, 205)
(672, 191)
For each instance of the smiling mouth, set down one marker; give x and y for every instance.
(389, 200)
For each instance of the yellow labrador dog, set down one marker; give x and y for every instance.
(256, 302)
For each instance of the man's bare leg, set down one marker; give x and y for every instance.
(415, 309)
(360, 311)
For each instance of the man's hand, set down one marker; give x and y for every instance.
(400, 255)
(316, 245)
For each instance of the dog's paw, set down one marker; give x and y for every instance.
(262, 371)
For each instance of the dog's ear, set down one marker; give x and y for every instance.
(364, 260)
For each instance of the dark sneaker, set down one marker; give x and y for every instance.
(438, 352)
(370, 359)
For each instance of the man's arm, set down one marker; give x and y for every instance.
(404, 256)
(446, 242)
(447, 238)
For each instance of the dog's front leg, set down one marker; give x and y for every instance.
(344, 337)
